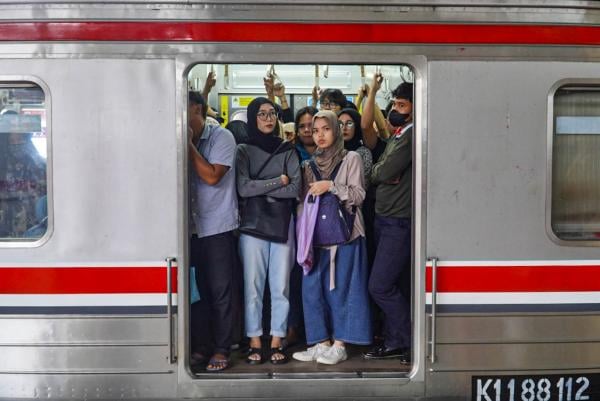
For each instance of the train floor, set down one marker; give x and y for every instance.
(354, 366)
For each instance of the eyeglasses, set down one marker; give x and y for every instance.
(328, 105)
(347, 124)
(264, 116)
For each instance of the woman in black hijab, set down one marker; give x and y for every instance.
(268, 172)
(349, 120)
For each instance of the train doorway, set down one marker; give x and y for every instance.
(294, 90)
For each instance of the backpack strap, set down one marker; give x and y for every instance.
(315, 169)
(317, 173)
(335, 170)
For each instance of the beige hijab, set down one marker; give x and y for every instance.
(326, 159)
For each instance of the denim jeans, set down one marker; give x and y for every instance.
(391, 265)
(264, 259)
(342, 313)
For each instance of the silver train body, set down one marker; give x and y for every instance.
(115, 97)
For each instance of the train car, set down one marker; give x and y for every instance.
(94, 263)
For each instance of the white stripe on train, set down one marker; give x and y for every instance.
(501, 263)
(77, 300)
(514, 298)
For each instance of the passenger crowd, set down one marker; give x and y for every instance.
(23, 200)
(317, 208)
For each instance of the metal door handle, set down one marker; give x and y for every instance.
(172, 356)
(434, 262)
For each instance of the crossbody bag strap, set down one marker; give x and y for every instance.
(269, 159)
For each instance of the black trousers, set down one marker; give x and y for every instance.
(212, 319)
(390, 277)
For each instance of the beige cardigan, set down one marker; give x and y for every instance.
(349, 187)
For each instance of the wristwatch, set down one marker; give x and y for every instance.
(332, 188)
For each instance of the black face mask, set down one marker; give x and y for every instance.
(397, 119)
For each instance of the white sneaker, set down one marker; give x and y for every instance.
(333, 356)
(312, 353)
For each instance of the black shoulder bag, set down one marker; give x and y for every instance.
(264, 216)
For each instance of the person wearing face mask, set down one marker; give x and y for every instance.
(393, 206)
(268, 173)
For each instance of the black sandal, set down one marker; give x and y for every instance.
(278, 350)
(254, 351)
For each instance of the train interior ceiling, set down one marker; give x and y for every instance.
(237, 84)
(235, 87)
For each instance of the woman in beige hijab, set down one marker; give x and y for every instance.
(334, 291)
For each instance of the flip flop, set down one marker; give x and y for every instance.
(278, 350)
(217, 364)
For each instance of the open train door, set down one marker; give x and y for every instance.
(236, 85)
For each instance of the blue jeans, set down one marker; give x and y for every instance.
(262, 259)
(391, 265)
(342, 313)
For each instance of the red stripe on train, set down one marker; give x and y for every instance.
(515, 278)
(85, 280)
(409, 33)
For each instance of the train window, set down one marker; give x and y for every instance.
(23, 168)
(575, 212)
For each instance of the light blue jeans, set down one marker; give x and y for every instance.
(260, 257)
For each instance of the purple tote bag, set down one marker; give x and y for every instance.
(305, 229)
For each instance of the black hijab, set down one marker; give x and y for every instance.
(357, 140)
(267, 142)
(239, 129)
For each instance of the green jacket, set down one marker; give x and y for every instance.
(393, 177)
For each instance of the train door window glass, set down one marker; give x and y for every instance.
(23, 167)
(576, 163)
(228, 90)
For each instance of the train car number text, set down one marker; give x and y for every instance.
(536, 388)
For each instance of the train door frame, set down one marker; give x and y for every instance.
(265, 53)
